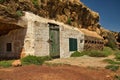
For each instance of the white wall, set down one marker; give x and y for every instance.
(37, 35)
(65, 34)
(41, 38)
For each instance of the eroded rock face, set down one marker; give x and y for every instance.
(110, 37)
(118, 38)
(71, 12)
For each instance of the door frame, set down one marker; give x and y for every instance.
(56, 28)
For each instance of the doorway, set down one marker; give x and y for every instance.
(54, 40)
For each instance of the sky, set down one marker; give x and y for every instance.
(109, 11)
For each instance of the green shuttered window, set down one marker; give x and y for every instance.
(72, 44)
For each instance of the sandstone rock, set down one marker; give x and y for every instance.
(59, 10)
(67, 12)
(62, 18)
(98, 31)
(109, 77)
(74, 1)
(16, 63)
(118, 37)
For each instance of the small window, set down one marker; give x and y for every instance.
(9, 47)
(72, 44)
(81, 41)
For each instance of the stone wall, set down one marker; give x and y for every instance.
(93, 43)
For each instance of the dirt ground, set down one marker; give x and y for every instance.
(82, 68)
(64, 72)
(84, 61)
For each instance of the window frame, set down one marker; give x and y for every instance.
(73, 46)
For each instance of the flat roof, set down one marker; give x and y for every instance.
(91, 33)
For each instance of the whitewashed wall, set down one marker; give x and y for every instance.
(41, 38)
(38, 35)
(33, 39)
(67, 32)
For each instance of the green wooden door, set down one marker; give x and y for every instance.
(54, 41)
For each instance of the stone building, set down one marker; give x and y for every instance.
(34, 35)
(93, 41)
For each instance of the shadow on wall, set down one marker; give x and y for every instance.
(11, 43)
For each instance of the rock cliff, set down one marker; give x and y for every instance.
(71, 12)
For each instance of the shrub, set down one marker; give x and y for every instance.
(111, 41)
(112, 44)
(104, 53)
(107, 51)
(117, 52)
(117, 77)
(95, 53)
(36, 4)
(34, 60)
(69, 21)
(112, 67)
(6, 63)
(111, 61)
(46, 58)
(85, 52)
(19, 13)
(1, 1)
(117, 57)
(76, 54)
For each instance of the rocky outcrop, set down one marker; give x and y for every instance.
(110, 38)
(16, 63)
(71, 12)
(118, 37)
